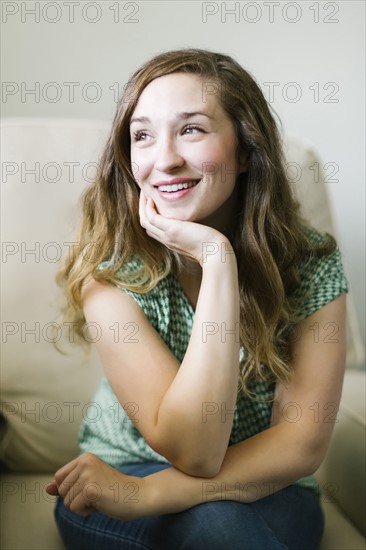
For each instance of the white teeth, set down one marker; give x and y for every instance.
(177, 186)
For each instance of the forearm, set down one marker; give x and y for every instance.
(207, 380)
(251, 470)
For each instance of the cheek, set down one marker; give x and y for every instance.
(218, 154)
(139, 167)
(219, 164)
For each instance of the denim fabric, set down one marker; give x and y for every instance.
(290, 519)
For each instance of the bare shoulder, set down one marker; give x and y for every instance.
(100, 297)
(92, 288)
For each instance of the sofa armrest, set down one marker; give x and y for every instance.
(342, 474)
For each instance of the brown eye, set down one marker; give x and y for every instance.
(192, 127)
(140, 135)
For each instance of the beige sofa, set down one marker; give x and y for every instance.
(45, 165)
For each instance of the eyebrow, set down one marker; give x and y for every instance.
(179, 116)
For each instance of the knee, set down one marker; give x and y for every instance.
(217, 525)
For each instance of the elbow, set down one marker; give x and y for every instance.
(187, 460)
(203, 469)
(315, 462)
(315, 455)
(197, 468)
(194, 466)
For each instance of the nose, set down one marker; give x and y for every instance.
(167, 156)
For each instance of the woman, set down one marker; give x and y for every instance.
(207, 286)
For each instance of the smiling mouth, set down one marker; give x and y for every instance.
(177, 186)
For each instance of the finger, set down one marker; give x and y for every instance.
(80, 505)
(156, 219)
(147, 213)
(142, 210)
(52, 489)
(65, 470)
(70, 485)
(69, 492)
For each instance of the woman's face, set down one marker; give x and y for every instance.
(184, 150)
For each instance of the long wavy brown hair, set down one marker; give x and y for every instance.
(269, 237)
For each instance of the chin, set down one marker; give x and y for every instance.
(181, 216)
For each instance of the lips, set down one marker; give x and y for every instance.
(172, 188)
(176, 188)
(175, 181)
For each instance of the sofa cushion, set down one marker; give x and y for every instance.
(26, 514)
(339, 532)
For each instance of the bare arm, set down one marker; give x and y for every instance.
(171, 398)
(295, 444)
(252, 469)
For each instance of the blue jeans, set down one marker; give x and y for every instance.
(291, 519)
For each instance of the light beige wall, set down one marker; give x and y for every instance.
(307, 57)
